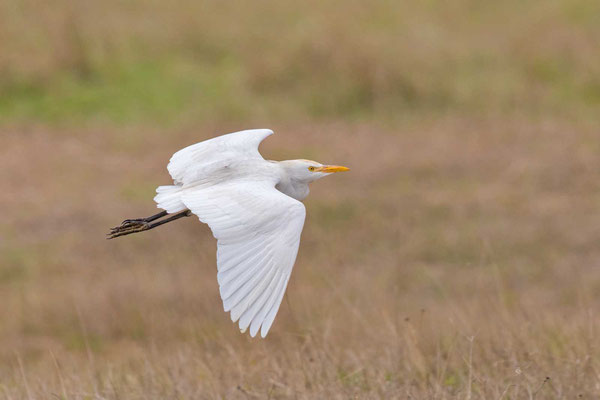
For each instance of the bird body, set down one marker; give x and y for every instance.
(254, 211)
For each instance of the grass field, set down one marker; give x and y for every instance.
(459, 258)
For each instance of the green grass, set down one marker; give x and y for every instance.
(172, 65)
(120, 93)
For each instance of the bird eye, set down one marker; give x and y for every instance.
(311, 168)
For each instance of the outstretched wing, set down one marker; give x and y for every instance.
(258, 231)
(185, 164)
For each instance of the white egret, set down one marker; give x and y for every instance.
(254, 211)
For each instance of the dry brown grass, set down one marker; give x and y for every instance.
(458, 259)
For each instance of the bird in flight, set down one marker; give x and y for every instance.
(253, 207)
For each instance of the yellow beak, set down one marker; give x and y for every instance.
(332, 168)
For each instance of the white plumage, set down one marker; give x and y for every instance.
(252, 207)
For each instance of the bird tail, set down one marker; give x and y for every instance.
(169, 198)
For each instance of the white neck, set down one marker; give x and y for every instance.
(292, 187)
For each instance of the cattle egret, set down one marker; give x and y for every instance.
(253, 207)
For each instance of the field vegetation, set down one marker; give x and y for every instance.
(460, 257)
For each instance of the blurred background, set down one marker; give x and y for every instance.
(459, 258)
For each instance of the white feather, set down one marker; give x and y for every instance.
(186, 163)
(250, 205)
(266, 225)
(169, 198)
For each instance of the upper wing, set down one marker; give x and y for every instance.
(184, 164)
(258, 230)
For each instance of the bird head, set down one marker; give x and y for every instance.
(309, 171)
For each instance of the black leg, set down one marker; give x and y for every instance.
(134, 226)
(181, 214)
(147, 219)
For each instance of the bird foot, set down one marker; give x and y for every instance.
(127, 227)
(133, 221)
(143, 224)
